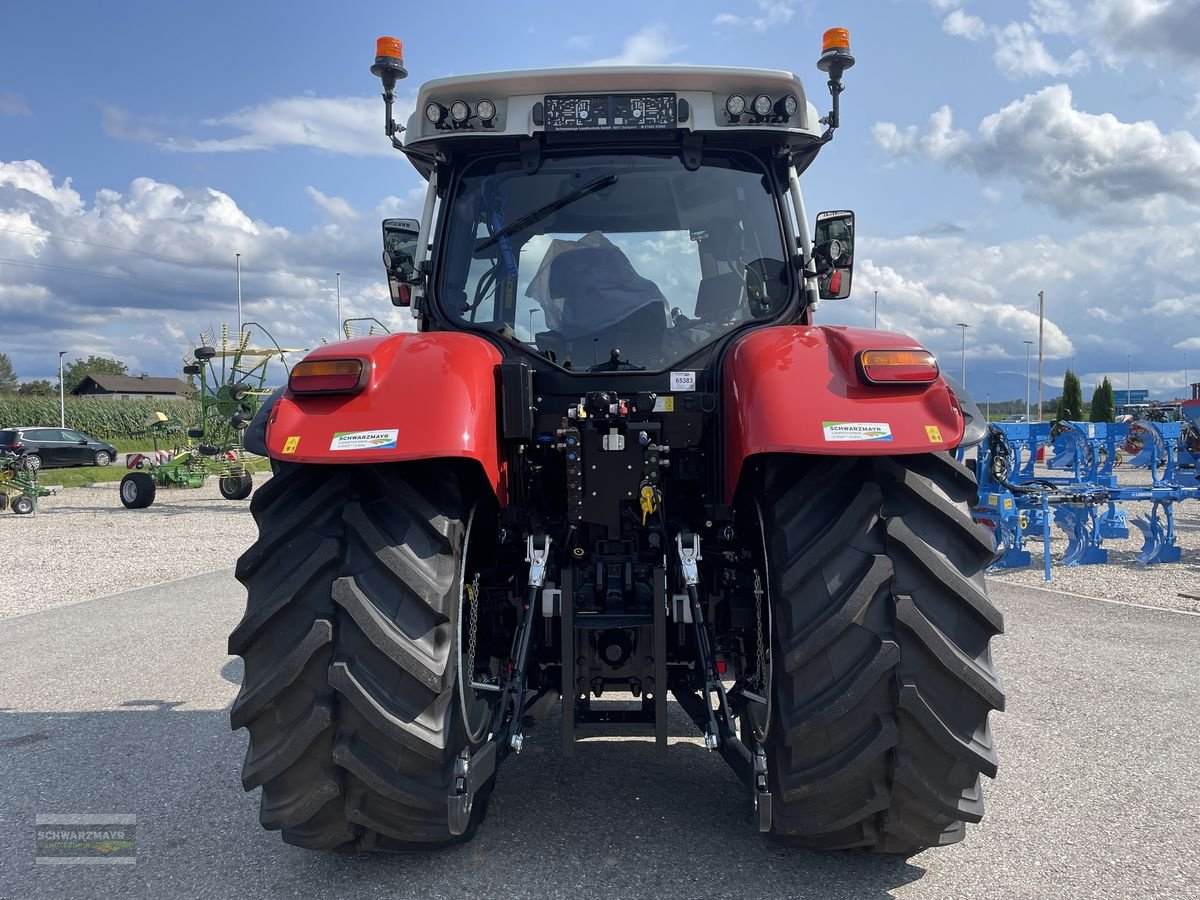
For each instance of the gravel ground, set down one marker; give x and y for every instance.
(82, 543)
(1123, 578)
(171, 544)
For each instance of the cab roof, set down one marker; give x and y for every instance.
(531, 102)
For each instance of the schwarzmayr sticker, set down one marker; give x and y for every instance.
(857, 431)
(364, 440)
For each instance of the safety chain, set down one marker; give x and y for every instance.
(473, 596)
(761, 673)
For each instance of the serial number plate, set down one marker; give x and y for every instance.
(609, 112)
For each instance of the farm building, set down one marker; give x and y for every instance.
(133, 387)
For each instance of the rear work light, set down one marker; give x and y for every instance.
(897, 366)
(327, 376)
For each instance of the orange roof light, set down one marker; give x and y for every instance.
(834, 39)
(389, 48)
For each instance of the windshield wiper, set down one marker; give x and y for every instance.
(552, 207)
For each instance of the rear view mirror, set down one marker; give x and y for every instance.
(400, 237)
(833, 250)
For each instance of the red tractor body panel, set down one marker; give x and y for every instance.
(427, 396)
(797, 389)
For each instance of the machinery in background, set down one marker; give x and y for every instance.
(232, 385)
(19, 488)
(1085, 501)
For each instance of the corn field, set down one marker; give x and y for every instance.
(104, 419)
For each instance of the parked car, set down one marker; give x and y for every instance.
(50, 447)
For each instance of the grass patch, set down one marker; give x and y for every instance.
(77, 477)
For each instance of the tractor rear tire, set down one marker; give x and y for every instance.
(882, 674)
(236, 487)
(350, 693)
(138, 490)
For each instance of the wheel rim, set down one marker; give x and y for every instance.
(477, 712)
(33, 462)
(758, 715)
(129, 492)
(102, 458)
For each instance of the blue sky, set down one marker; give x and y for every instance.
(989, 150)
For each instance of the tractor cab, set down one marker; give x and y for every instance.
(617, 219)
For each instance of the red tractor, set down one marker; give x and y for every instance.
(617, 459)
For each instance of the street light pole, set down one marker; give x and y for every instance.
(988, 414)
(963, 376)
(238, 264)
(62, 393)
(339, 302)
(1041, 328)
(1028, 347)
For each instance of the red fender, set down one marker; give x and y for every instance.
(796, 389)
(427, 396)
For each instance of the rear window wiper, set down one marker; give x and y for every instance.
(553, 206)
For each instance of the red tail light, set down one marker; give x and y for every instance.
(897, 366)
(328, 376)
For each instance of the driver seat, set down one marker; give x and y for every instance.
(639, 335)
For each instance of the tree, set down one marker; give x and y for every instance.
(93, 365)
(39, 388)
(8, 377)
(1070, 405)
(1102, 402)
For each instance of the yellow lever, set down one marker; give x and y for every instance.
(649, 499)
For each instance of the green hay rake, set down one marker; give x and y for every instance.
(232, 384)
(19, 488)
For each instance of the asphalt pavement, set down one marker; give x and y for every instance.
(119, 705)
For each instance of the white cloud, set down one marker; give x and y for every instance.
(648, 46)
(12, 104)
(407, 207)
(334, 207)
(76, 275)
(1146, 30)
(579, 41)
(992, 195)
(1115, 31)
(771, 13)
(350, 125)
(1020, 53)
(1080, 164)
(926, 284)
(941, 141)
(961, 24)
